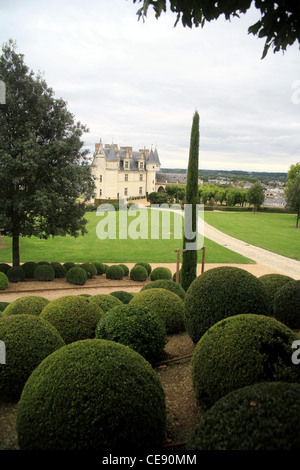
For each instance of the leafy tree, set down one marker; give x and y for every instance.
(43, 168)
(279, 22)
(293, 198)
(293, 172)
(256, 195)
(189, 257)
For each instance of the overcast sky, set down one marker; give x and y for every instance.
(138, 83)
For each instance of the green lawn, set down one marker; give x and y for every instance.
(273, 232)
(91, 248)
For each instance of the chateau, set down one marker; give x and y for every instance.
(122, 172)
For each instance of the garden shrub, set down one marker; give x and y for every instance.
(135, 326)
(122, 295)
(106, 301)
(3, 281)
(77, 276)
(28, 267)
(160, 273)
(168, 306)
(59, 270)
(3, 305)
(15, 274)
(44, 272)
(220, 293)
(32, 305)
(68, 265)
(28, 340)
(263, 416)
(75, 317)
(138, 273)
(4, 267)
(40, 263)
(114, 272)
(125, 269)
(100, 268)
(287, 304)
(273, 282)
(145, 265)
(240, 351)
(166, 284)
(90, 269)
(118, 407)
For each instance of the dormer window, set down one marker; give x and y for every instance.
(141, 165)
(126, 164)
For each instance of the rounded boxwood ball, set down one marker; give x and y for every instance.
(135, 326)
(145, 265)
(90, 269)
(125, 269)
(114, 272)
(122, 295)
(100, 268)
(28, 340)
(168, 305)
(4, 267)
(160, 273)
(68, 265)
(287, 304)
(263, 416)
(32, 305)
(272, 283)
(106, 301)
(59, 270)
(168, 285)
(220, 293)
(138, 273)
(28, 267)
(76, 275)
(15, 274)
(44, 272)
(92, 395)
(74, 316)
(240, 351)
(3, 281)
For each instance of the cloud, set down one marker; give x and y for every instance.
(139, 83)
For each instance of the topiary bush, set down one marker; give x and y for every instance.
(4, 267)
(32, 305)
(138, 273)
(90, 269)
(145, 265)
(114, 272)
(15, 274)
(122, 295)
(3, 281)
(68, 265)
(44, 272)
(28, 340)
(168, 285)
(240, 351)
(100, 268)
(168, 306)
(60, 270)
(125, 269)
(3, 306)
(160, 273)
(77, 276)
(29, 268)
(74, 316)
(272, 283)
(92, 395)
(106, 301)
(263, 416)
(287, 304)
(136, 327)
(220, 293)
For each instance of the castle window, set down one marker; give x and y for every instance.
(125, 191)
(140, 190)
(141, 165)
(141, 177)
(100, 192)
(100, 177)
(126, 177)
(126, 164)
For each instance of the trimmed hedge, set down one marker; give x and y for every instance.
(3, 281)
(125, 269)
(28, 340)
(106, 301)
(90, 269)
(114, 272)
(220, 293)
(4, 267)
(44, 272)
(100, 268)
(168, 306)
(160, 273)
(136, 327)
(77, 276)
(28, 267)
(60, 270)
(240, 351)
(263, 416)
(122, 295)
(75, 317)
(168, 285)
(15, 274)
(92, 395)
(68, 265)
(145, 265)
(138, 273)
(287, 304)
(272, 283)
(30, 305)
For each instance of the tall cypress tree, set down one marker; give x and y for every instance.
(189, 257)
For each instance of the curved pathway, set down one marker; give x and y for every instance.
(277, 262)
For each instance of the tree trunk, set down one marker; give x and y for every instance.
(16, 249)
